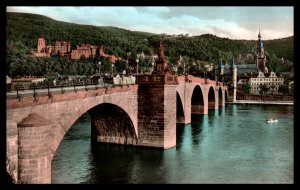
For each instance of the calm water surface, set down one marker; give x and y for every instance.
(230, 145)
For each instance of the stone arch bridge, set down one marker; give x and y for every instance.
(144, 114)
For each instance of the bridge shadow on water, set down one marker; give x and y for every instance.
(196, 128)
(123, 164)
(84, 162)
(191, 132)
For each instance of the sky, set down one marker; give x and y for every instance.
(238, 22)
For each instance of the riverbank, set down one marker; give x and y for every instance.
(262, 102)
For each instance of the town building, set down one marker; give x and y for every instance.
(8, 83)
(291, 87)
(253, 77)
(84, 50)
(272, 82)
(61, 48)
(25, 82)
(246, 68)
(112, 58)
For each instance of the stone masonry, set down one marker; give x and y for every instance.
(25, 157)
(34, 164)
(194, 102)
(157, 115)
(140, 115)
(111, 124)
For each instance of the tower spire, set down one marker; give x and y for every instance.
(259, 36)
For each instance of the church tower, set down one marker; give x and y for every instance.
(260, 55)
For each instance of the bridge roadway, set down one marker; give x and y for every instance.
(55, 89)
(143, 114)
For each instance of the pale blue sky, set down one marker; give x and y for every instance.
(232, 22)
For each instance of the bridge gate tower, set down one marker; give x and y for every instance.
(156, 107)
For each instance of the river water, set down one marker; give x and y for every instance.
(230, 145)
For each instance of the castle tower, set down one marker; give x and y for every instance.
(41, 45)
(260, 55)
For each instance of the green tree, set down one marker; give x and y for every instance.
(247, 87)
(284, 89)
(120, 66)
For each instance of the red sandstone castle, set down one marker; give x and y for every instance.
(63, 48)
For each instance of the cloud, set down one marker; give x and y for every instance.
(230, 22)
(153, 10)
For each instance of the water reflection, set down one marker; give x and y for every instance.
(125, 164)
(179, 134)
(197, 122)
(230, 145)
(221, 111)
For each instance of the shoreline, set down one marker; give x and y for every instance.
(262, 102)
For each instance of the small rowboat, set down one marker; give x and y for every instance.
(271, 120)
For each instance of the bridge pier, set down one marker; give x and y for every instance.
(157, 111)
(12, 149)
(197, 109)
(34, 164)
(196, 101)
(223, 97)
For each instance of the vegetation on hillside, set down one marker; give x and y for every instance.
(24, 29)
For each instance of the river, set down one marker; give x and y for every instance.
(231, 145)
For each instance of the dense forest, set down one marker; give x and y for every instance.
(24, 29)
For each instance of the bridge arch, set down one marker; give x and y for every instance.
(226, 95)
(113, 103)
(197, 101)
(220, 97)
(111, 124)
(211, 98)
(179, 109)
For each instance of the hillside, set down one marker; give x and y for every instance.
(24, 29)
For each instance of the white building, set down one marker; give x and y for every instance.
(291, 87)
(272, 82)
(25, 82)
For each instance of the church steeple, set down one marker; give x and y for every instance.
(260, 54)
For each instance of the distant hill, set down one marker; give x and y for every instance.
(26, 28)
(283, 47)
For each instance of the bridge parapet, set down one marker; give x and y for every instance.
(157, 79)
(190, 78)
(57, 96)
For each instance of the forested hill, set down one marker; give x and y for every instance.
(26, 28)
